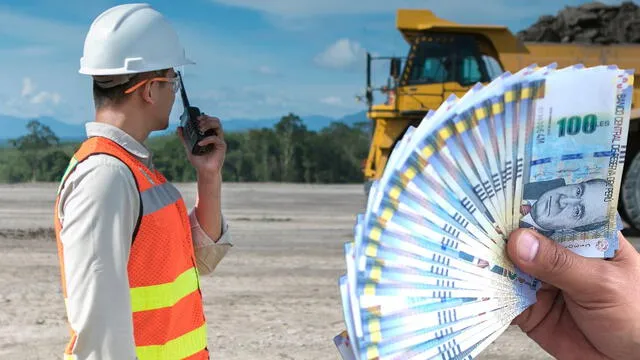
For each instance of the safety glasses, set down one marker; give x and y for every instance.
(173, 80)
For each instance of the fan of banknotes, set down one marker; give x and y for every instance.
(427, 272)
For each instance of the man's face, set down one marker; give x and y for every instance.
(571, 206)
(167, 97)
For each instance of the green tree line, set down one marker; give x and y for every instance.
(287, 152)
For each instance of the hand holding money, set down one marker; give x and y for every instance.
(588, 308)
(428, 272)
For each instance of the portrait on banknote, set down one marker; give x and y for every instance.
(554, 205)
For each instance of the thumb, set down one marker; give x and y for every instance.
(551, 262)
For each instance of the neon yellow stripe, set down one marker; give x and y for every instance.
(481, 113)
(72, 163)
(178, 348)
(374, 325)
(410, 173)
(387, 213)
(70, 357)
(539, 91)
(497, 108)
(461, 126)
(375, 234)
(164, 295)
(369, 289)
(371, 250)
(376, 273)
(526, 93)
(376, 337)
(427, 151)
(372, 352)
(395, 192)
(445, 133)
(509, 96)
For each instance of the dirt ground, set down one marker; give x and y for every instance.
(275, 295)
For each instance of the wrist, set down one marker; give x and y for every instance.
(209, 178)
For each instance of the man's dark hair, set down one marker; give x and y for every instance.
(115, 95)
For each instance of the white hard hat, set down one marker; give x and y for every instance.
(131, 38)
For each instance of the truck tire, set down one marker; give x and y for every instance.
(630, 193)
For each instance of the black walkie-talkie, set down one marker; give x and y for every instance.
(189, 123)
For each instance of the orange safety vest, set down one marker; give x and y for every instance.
(168, 315)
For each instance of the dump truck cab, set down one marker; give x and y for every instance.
(443, 58)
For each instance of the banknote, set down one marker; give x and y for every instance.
(530, 93)
(345, 347)
(574, 156)
(482, 142)
(427, 272)
(430, 331)
(427, 162)
(452, 156)
(518, 126)
(347, 342)
(488, 124)
(416, 237)
(507, 101)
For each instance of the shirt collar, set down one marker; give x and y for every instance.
(121, 138)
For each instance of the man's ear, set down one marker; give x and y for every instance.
(148, 93)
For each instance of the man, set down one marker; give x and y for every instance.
(555, 206)
(130, 253)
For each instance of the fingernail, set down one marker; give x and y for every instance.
(528, 246)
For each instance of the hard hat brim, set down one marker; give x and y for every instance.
(126, 70)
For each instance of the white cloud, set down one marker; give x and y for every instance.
(331, 100)
(31, 102)
(266, 70)
(342, 54)
(27, 87)
(44, 97)
(30, 94)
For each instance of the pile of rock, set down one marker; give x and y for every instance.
(593, 23)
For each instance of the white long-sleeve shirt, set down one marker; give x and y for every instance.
(98, 209)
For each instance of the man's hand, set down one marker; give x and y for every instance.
(209, 173)
(587, 308)
(208, 166)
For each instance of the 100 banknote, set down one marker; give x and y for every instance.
(573, 156)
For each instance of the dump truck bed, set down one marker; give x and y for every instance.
(626, 56)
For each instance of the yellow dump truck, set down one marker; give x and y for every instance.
(446, 57)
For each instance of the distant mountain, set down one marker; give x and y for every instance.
(12, 127)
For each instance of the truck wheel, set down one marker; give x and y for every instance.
(631, 193)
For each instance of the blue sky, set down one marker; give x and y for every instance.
(255, 58)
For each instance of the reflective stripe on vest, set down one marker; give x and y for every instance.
(167, 310)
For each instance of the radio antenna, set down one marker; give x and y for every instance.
(183, 93)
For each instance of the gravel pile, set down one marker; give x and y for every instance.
(593, 23)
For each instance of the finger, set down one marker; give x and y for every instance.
(209, 122)
(215, 140)
(533, 315)
(552, 263)
(626, 251)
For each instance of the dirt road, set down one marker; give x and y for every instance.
(275, 295)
